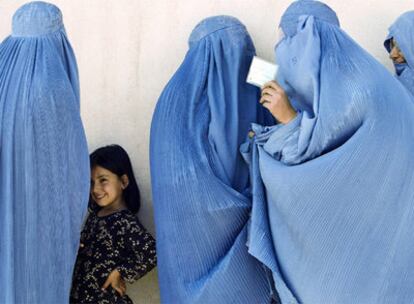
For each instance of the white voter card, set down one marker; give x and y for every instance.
(261, 72)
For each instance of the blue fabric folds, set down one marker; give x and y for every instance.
(403, 32)
(333, 190)
(44, 165)
(290, 18)
(199, 179)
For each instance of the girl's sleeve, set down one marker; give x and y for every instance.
(139, 252)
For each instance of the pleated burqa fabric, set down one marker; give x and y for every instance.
(333, 190)
(199, 179)
(44, 166)
(402, 30)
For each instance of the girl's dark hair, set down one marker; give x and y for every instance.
(115, 159)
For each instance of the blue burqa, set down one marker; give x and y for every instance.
(402, 30)
(333, 190)
(44, 166)
(199, 179)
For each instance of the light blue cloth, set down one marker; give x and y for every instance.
(333, 190)
(402, 30)
(199, 179)
(291, 18)
(44, 163)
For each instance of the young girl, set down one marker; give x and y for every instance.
(114, 245)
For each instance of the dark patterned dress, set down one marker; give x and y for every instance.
(116, 241)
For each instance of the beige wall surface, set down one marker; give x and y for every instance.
(127, 50)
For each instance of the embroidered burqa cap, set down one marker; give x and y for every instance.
(290, 18)
(36, 19)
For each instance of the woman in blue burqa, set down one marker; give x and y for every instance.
(400, 44)
(44, 167)
(199, 179)
(333, 185)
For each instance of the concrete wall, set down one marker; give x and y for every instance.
(128, 49)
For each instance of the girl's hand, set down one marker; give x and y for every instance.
(276, 101)
(116, 282)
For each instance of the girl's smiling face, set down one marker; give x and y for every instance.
(107, 188)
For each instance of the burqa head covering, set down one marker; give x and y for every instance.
(402, 30)
(319, 10)
(44, 167)
(199, 180)
(334, 187)
(37, 19)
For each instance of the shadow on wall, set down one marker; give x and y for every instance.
(145, 290)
